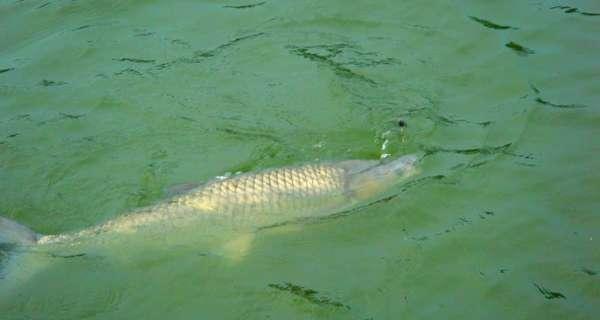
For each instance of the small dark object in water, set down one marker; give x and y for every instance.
(50, 83)
(589, 272)
(483, 150)
(489, 24)
(534, 88)
(71, 116)
(6, 70)
(128, 71)
(568, 9)
(589, 13)
(326, 55)
(548, 294)
(308, 294)
(67, 256)
(82, 27)
(135, 60)
(217, 50)
(247, 6)
(519, 48)
(401, 123)
(144, 34)
(43, 5)
(563, 106)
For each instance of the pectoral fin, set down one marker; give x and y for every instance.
(237, 248)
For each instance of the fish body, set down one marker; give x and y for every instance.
(293, 192)
(268, 197)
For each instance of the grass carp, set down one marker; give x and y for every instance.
(251, 200)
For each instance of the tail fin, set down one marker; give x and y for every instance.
(13, 233)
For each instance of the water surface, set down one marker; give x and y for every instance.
(103, 105)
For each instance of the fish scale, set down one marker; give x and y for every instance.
(270, 188)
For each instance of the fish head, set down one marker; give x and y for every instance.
(406, 164)
(398, 169)
(380, 178)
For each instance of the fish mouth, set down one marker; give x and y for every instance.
(407, 162)
(410, 160)
(404, 166)
(408, 165)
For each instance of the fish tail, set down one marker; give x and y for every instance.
(17, 265)
(14, 233)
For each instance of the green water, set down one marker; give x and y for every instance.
(105, 104)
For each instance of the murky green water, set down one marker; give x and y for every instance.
(105, 104)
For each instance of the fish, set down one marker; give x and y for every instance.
(248, 201)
